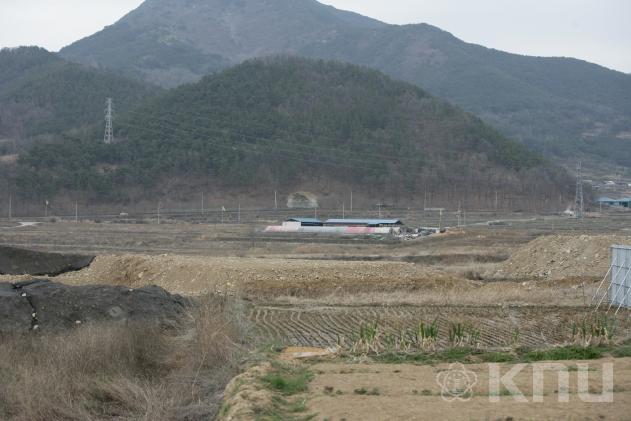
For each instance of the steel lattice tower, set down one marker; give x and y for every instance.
(578, 202)
(109, 133)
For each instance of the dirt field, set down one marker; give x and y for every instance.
(520, 284)
(411, 392)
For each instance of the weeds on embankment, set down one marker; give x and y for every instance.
(592, 339)
(133, 371)
(372, 338)
(594, 329)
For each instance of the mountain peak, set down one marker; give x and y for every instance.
(541, 101)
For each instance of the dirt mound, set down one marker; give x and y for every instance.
(255, 277)
(14, 261)
(557, 257)
(48, 306)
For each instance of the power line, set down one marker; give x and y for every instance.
(578, 201)
(232, 146)
(292, 132)
(307, 156)
(109, 133)
(356, 156)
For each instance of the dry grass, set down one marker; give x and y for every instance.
(129, 372)
(464, 293)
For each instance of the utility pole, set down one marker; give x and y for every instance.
(459, 214)
(496, 200)
(159, 206)
(379, 206)
(239, 214)
(343, 210)
(202, 203)
(275, 200)
(425, 199)
(10, 206)
(46, 203)
(76, 212)
(109, 133)
(351, 201)
(578, 201)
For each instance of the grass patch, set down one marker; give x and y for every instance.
(363, 391)
(498, 357)
(564, 353)
(521, 355)
(622, 351)
(288, 380)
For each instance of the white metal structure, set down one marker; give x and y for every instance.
(109, 131)
(620, 287)
(579, 202)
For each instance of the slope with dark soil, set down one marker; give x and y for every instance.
(51, 307)
(14, 261)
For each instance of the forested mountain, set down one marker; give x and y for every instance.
(42, 94)
(296, 123)
(563, 107)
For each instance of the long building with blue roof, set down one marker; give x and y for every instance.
(625, 202)
(307, 222)
(363, 222)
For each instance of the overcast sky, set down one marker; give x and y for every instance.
(595, 30)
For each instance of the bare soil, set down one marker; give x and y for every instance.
(411, 392)
(555, 257)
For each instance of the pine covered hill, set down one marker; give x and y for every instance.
(42, 94)
(296, 123)
(564, 107)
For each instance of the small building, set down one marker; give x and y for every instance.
(372, 223)
(624, 202)
(307, 222)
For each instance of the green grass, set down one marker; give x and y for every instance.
(564, 353)
(525, 355)
(288, 380)
(363, 391)
(623, 351)
(282, 409)
(498, 357)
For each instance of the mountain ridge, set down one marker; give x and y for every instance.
(558, 106)
(295, 123)
(41, 94)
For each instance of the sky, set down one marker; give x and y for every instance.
(594, 30)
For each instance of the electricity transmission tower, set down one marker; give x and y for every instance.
(578, 202)
(109, 133)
